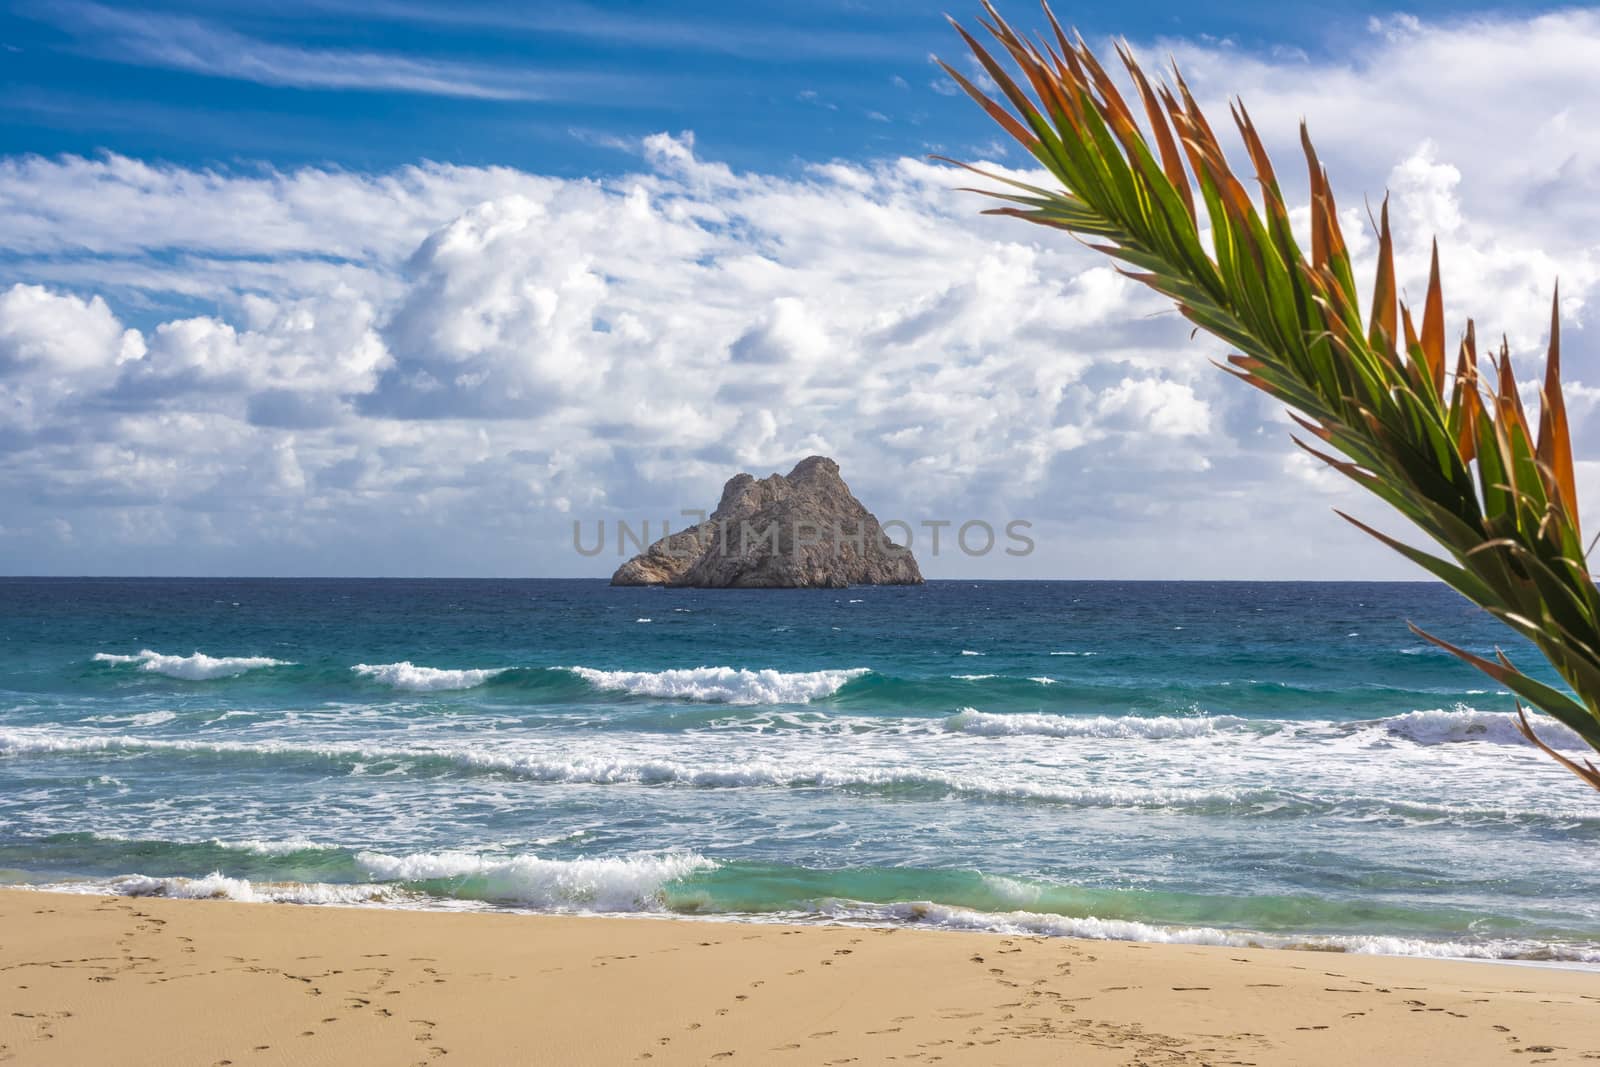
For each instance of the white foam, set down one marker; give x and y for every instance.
(1089, 927)
(610, 883)
(750, 772)
(723, 685)
(973, 677)
(972, 721)
(148, 718)
(216, 886)
(1464, 723)
(1043, 680)
(196, 668)
(636, 884)
(757, 773)
(407, 675)
(284, 847)
(970, 652)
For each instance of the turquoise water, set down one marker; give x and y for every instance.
(1208, 762)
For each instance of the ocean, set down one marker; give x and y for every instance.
(1216, 763)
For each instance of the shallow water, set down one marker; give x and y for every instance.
(1272, 763)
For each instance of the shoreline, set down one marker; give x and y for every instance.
(1225, 937)
(151, 980)
(1005, 924)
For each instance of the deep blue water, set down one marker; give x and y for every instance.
(1231, 762)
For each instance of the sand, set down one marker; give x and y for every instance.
(90, 980)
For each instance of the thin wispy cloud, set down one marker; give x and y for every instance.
(176, 42)
(771, 42)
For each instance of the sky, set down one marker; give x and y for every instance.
(411, 288)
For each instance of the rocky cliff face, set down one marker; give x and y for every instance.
(800, 530)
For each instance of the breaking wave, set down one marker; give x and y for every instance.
(407, 675)
(607, 884)
(1462, 723)
(196, 668)
(216, 886)
(723, 685)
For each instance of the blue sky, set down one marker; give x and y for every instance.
(542, 86)
(404, 288)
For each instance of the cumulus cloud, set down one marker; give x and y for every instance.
(58, 333)
(435, 370)
(1146, 405)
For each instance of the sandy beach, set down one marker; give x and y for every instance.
(88, 979)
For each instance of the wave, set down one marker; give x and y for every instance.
(196, 668)
(274, 847)
(928, 913)
(972, 721)
(841, 689)
(748, 773)
(1463, 723)
(692, 885)
(607, 884)
(723, 685)
(634, 883)
(147, 718)
(216, 886)
(407, 675)
(846, 770)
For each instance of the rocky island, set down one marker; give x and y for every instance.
(800, 530)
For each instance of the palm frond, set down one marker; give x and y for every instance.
(1460, 459)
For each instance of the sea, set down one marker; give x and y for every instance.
(1245, 764)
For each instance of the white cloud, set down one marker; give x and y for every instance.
(434, 370)
(153, 39)
(1146, 405)
(61, 333)
(787, 332)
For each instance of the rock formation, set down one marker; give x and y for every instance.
(800, 530)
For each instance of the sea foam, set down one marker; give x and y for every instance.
(216, 886)
(407, 675)
(755, 772)
(723, 685)
(196, 668)
(1092, 928)
(610, 883)
(1464, 723)
(984, 724)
